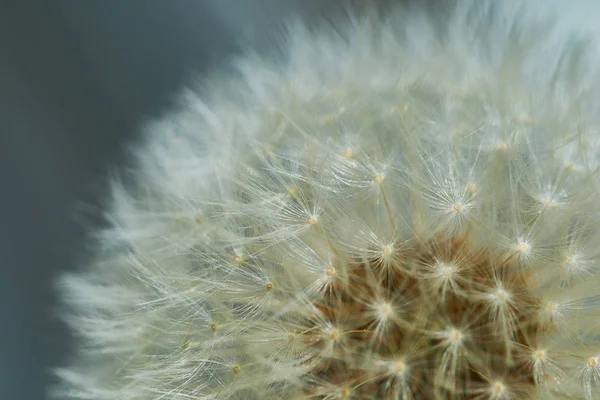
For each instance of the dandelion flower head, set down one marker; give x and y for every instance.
(400, 207)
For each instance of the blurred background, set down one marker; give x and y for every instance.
(77, 80)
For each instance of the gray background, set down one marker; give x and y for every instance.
(77, 78)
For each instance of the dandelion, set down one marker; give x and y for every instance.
(400, 208)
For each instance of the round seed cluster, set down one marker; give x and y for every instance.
(402, 209)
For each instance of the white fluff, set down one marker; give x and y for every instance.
(401, 207)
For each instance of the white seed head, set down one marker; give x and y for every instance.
(400, 206)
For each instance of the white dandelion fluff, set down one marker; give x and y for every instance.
(402, 207)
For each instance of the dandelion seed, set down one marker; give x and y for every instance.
(590, 377)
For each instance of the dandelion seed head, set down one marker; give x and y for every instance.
(399, 207)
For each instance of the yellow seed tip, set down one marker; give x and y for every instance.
(498, 387)
(335, 335)
(592, 361)
(400, 367)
